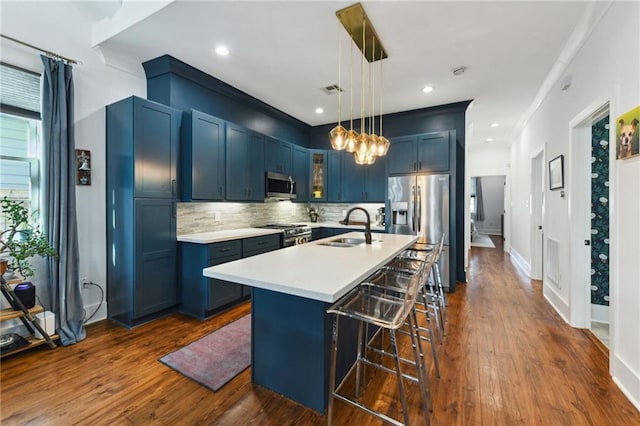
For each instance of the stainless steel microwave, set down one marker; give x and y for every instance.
(279, 186)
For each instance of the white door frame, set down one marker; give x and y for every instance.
(536, 211)
(580, 213)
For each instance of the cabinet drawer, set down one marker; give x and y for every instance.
(225, 249)
(264, 242)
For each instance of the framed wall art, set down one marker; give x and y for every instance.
(556, 173)
(627, 134)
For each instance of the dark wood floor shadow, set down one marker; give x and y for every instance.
(508, 358)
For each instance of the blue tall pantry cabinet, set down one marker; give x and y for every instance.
(142, 190)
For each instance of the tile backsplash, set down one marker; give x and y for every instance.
(204, 217)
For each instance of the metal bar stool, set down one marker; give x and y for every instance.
(370, 306)
(403, 264)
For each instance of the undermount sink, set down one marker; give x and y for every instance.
(343, 242)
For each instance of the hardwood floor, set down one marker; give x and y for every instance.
(507, 359)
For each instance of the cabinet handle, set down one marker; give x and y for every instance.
(224, 250)
(366, 195)
(220, 191)
(173, 187)
(419, 165)
(263, 243)
(414, 166)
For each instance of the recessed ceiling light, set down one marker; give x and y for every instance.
(222, 50)
(427, 89)
(488, 140)
(494, 124)
(319, 110)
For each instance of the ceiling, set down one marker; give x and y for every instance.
(283, 52)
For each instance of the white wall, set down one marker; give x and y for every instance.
(96, 85)
(597, 73)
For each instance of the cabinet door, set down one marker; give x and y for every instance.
(255, 171)
(156, 138)
(402, 155)
(318, 175)
(222, 292)
(433, 152)
(237, 166)
(155, 286)
(352, 179)
(376, 181)
(334, 176)
(207, 157)
(301, 173)
(278, 156)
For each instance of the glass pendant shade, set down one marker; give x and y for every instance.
(338, 138)
(364, 157)
(382, 146)
(351, 141)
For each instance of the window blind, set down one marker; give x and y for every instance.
(19, 91)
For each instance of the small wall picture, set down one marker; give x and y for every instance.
(556, 173)
(83, 167)
(627, 134)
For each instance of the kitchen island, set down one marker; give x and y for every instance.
(291, 291)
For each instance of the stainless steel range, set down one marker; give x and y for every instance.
(293, 234)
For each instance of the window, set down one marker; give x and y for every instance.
(20, 136)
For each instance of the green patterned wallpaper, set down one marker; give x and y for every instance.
(600, 212)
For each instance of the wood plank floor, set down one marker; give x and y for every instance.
(507, 359)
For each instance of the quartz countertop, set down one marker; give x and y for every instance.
(312, 270)
(226, 235)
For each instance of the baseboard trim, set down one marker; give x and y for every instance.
(519, 261)
(557, 302)
(627, 380)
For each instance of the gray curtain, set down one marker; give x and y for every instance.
(60, 199)
(479, 201)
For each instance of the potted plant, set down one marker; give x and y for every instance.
(314, 212)
(21, 239)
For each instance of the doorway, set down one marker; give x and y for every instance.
(487, 207)
(537, 213)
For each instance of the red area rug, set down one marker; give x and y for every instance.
(216, 358)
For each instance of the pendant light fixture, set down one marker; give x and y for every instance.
(365, 146)
(338, 135)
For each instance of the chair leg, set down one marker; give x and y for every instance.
(332, 374)
(359, 364)
(396, 357)
(421, 367)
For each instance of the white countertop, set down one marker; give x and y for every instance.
(311, 270)
(232, 234)
(235, 234)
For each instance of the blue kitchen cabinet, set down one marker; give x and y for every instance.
(300, 172)
(334, 176)
(203, 296)
(279, 156)
(318, 174)
(245, 164)
(142, 140)
(424, 153)
(363, 183)
(203, 157)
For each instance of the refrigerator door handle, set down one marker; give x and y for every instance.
(419, 202)
(412, 208)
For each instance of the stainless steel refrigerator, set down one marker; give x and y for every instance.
(419, 205)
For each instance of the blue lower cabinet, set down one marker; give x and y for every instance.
(202, 296)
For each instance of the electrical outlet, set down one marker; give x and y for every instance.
(344, 213)
(216, 216)
(293, 210)
(85, 282)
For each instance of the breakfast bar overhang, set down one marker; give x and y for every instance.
(292, 289)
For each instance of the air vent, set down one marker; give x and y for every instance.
(332, 90)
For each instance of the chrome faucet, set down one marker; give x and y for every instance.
(367, 226)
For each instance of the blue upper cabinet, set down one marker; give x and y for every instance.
(318, 174)
(433, 152)
(255, 167)
(353, 176)
(203, 159)
(363, 182)
(245, 164)
(334, 176)
(301, 172)
(423, 153)
(156, 131)
(402, 155)
(279, 156)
